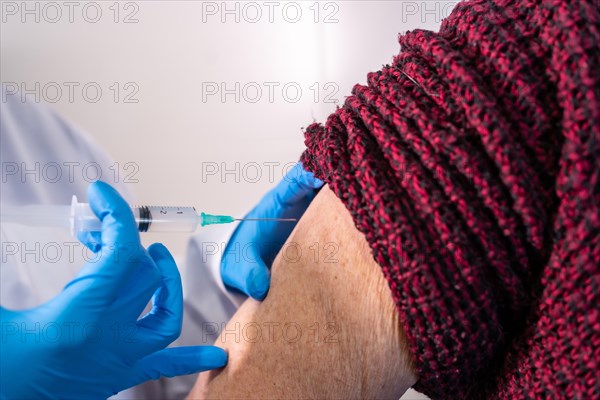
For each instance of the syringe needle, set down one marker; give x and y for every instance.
(209, 219)
(268, 219)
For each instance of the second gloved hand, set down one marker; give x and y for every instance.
(254, 244)
(87, 342)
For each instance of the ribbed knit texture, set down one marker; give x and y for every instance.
(471, 165)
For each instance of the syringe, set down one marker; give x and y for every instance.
(79, 217)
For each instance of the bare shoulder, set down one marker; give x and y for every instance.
(328, 327)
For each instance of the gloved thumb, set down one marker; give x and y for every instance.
(177, 361)
(119, 247)
(250, 274)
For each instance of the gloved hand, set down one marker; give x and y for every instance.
(87, 342)
(254, 244)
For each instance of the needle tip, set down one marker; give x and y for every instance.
(268, 219)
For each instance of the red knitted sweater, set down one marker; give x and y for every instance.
(471, 165)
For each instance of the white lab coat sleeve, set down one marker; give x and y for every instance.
(45, 160)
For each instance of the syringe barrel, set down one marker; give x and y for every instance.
(147, 218)
(165, 219)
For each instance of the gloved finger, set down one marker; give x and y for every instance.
(7, 315)
(138, 290)
(162, 325)
(91, 240)
(245, 271)
(261, 240)
(118, 222)
(296, 188)
(178, 361)
(289, 199)
(120, 247)
(299, 184)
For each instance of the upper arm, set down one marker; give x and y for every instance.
(327, 326)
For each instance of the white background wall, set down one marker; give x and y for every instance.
(170, 51)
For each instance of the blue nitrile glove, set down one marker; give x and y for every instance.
(254, 244)
(87, 342)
